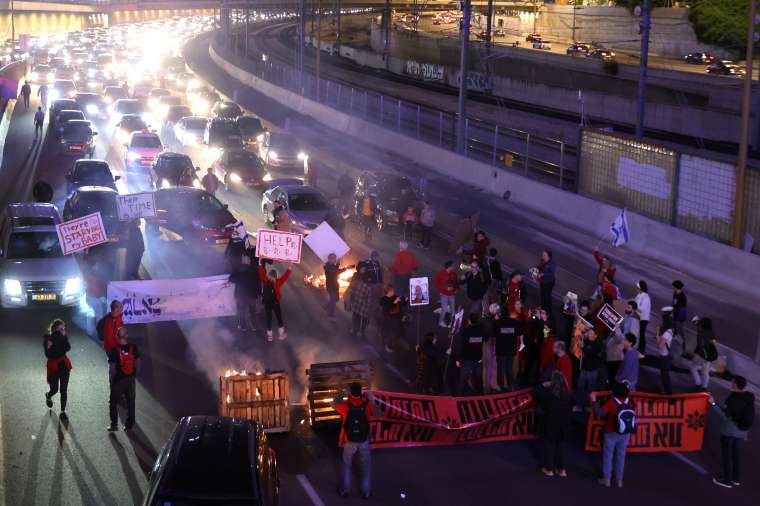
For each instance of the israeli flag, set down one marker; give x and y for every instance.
(619, 229)
(239, 232)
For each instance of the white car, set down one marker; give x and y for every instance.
(34, 270)
(189, 130)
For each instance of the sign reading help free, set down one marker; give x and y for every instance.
(81, 233)
(279, 245)
(136, 205)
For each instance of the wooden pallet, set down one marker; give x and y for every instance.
(328, 383)
(262, 397)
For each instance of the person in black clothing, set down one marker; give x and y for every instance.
(737, 417)
(430, 361)
(505, 334)
(332, 286)
(557, 405)
(391, 328)
(245, 277)
(56, 345)
(591, 363)
(26, 92)
(471, 353)
(123, 362)
(492, 266)
(135, 249)
(679, 307)
(373, 270)
(547, 277)
(476, 281)
(345, 185)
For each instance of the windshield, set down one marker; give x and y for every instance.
(225, 128)
(242, 158)
(129, 107)
(203, 203)
(76, 129)
(92, 170)
(306, 202)
(92, 202)
(250, 125)
(283, 143)
(33, 245)
(195, 124)
(133, 124)
(174, 168)
(146, 141)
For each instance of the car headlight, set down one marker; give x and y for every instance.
(197, 184)
(302, 156)
(108, 100)
(214, 153)
(267, 177)
(165, 183)
(12, 287)
(50, 76)
(260, 137)
(153, 101)
(54, 95)
(122, 135)
(92, 109)
(34, 76)
(273, 155)
(235, 178)
(132, 156)
(76, 76)
(145, 116)
(73, 286)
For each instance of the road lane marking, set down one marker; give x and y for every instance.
(306, 484)
(699, 469)
(2, 460)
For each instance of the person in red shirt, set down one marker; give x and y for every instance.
(271, 296)
(562, 362)
(605, 268)
(403, 266)
(446, 282)
(480, 244)
(356, 413)
(515, 289)
(409, 220)
(615, 440)
(112, 322)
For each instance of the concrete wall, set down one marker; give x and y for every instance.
(132, 16)
(42, 23)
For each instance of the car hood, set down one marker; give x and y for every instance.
(307, 217)
(41, 269)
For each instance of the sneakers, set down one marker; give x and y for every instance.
(48, 401)
(603, 482)
(547, 472)
(281, 334)
(561, 473)
(619, 483)
(112, 428)
(735, 483)
(723, 483)
(269, 336)
(388, 349)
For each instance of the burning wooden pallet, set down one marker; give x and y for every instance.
(261, 396)
(328, 383)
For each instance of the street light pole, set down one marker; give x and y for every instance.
(13, 21)
(575, 4)
(462, 109)
(741, 163)
(641, 106)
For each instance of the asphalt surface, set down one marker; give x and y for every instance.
(46, 462)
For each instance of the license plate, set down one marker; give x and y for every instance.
(222, 241)
(75, 148)
(43, 296)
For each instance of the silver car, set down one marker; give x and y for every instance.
(189, 130)
(307, 206)
(34, 271)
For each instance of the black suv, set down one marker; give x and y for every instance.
(391, 194)
(213, 460)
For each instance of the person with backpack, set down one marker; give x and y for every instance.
(271, 284)
(356, 413)
(705, 354)
(619, 414)
(56, 345)
(109, 324)
(737, 416)
(123, 361)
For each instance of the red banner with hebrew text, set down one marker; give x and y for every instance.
(406, 420)
(664, 423)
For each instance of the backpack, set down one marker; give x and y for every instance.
(100, 327)
(625, 418)
(356, 425)
(268, 295)
(127, 361)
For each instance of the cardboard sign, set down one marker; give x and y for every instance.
(419, 292)
(323, 240)
(278, 245)
(81, 233)
(136, 205)
(609, 317)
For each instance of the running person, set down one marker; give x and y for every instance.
(56, 344)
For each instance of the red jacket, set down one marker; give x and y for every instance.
(446, 282)
(610, 413)
(479, 248)
(404, 264)
(111, 325)
(609, 271)
(565, 366)
(409, 216)
(277, 284)
(547, 352)
(342, 409)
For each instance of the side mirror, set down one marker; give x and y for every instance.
(116, 178)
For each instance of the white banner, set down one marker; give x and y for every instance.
(136, 205)
(174, 299)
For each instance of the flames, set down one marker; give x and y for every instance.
(234, 372)
(318, 280)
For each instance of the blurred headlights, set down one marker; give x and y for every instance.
(12, 287)
(214, 153)
(73, 286)
(235, 178)
(54, 95)
(197, 184)
(273, 155)
(260, 137)
(267, 177)
(108, 100)
(153, 101)
(302, 156)
(50, 76)
(34, 76)
(165, 184)
(132, 156)
(92, 109)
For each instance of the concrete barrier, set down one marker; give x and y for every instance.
(5, 124)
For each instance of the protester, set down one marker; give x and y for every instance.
(210, 182)
(135, 249)
(489, 369)
(515, 289)
(547, 349)
(605, 268)
(26, 92)
(464, 232)
(332, 286)
(246, 278)
(664, 341)
(408, 221)
(123, 362)
(446, 282)
(737, 417)
(471, 353)
(616, 340)
(629, 368)
(56, 345)
(480, 243)
(403, 266)
(271, 298)
(392, 311)
(39, 119)
(280, 217)
(556, 403)
(521, 316)
(358, 299)
(476, 283)
(562, 363)
(374, 271)
(591, 363)
(547, 271)
(109, 324)
(644, 308)
(679, 311)
(430, 362)
(345, 185)
(368, 209)
(427, 220)
(705, 354)
(619, 423)
(356, 413)
(492, 267)
(504, 333)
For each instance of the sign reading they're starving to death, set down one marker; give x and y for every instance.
(136, 205)
(81, 233)
(279, 245)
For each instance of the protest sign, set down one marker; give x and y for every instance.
(408, 420)
(323, 240)
(81, 233)
(664, 423)
(278, 245)
(136, 205)
(609, 317)
(174, 299)
(419, 293)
